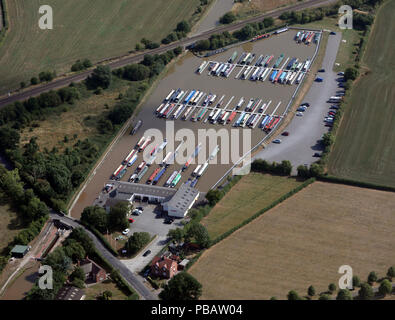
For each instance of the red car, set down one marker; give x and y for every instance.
(285, 133)
(131, 220)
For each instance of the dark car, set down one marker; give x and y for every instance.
(147, 253)
(285, 134)
(333, 33)
(140, 208)
(306, 104)
(316, 155)
(169, 220)
(321, 70)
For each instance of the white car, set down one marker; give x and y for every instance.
(125, 232)
(137, 212)
(299, 114)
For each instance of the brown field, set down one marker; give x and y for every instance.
(7, 228)
(303, 241)
(251, 194)
(256, 6)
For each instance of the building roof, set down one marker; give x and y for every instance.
(123, 189)
(20, 249)
(183, 198)
(89, 266)
(163, 263)
(184, 262)
(70, 293)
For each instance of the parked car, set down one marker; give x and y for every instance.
(146, 273)
(318, 79)
(125, 232)
(299, 114)
(333, 33)
(278, 141)
(131, 220)
(301, 109)
(340, 74)
(108, 187)
(305, 104)
(334, 107)
(169, 220)
(137, 212)
(316, 155)
(140, 208)
(321, 70)
(285, 134)
(146, 253)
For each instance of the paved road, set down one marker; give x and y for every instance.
(62, 82)
(135, 281)
(305, 132)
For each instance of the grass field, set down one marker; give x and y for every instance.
(94, 291)
(78, 119)
(94, 29)
(364, 148)
(251, 194)
(302, 242)
(252, 7)
(7, 226)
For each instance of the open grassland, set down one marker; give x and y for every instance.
(252, 193)
(77, 121)
(302, 242)
(364, 148)
(94, 29)
(258, 6)
(8, 228)
(94, 291)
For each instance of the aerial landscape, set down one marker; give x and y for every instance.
(229, 150)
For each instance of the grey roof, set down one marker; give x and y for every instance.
(126, 188)
(183, 198)
(19, 249)
(70, 293)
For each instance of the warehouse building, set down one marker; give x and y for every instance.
(183, 200)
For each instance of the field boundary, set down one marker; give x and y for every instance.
(3, 20)
(355, 183)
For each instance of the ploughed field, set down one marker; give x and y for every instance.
(94, 29)
(364, 148)
(252, 193)
(302, 242)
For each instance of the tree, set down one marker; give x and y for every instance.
(324, 297)
(58, 260)
(311, 291)
(182, 286)
(199, 233)
(227, 18)
(372, 277)
(385, 287)
(106, 295)
(391, 273)
(245, 33)
(117, 218)
(268, 22)
(213, 196)
(137, 241)
(350, 74)
(100, 77)
(176, 234)
(137, 72)
(366, 291)
(183, 26)
(303, 171)
(316, 170)
(356, 282)
(332, 287)
(293, 295)
(9, 138)
(96, 217)
(33, 81)
(344, 294)
(74, 250)
(78, 273)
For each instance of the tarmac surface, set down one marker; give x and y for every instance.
(305, 132)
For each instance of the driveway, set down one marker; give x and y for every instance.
(306, 131)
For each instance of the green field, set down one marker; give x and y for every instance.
(94, 29)
(251, 194)
(364, 148)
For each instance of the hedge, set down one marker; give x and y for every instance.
(101, 238)
(355, 183)
(259, 213)
(4, 27)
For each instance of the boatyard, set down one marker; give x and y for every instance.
(188, 100)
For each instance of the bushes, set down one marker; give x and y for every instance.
(284, 168)
(137, 241)
(100, 77)
(81, 65)
(227, 18)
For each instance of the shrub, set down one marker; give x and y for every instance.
(227, 18)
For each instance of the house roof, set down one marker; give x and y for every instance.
(70, 293)
(89, 266)
(20, 249)
(163, 262)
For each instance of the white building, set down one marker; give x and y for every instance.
(183, 200)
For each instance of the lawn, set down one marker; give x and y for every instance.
(253, 7)
(302, 242)
(8, 229)
(252, 193)
(364, 148)
(94, 29)
(97, 289)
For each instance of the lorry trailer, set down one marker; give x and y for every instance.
(132, 160)
(136, 127)
(233, 57)
(141, 174)
(171, 178)
(159, 175)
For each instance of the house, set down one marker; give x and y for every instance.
(70, 293)
(19, 251)
(163, 267)
(93, 272)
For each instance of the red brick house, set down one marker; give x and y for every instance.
(163, 267)
(93, 272)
